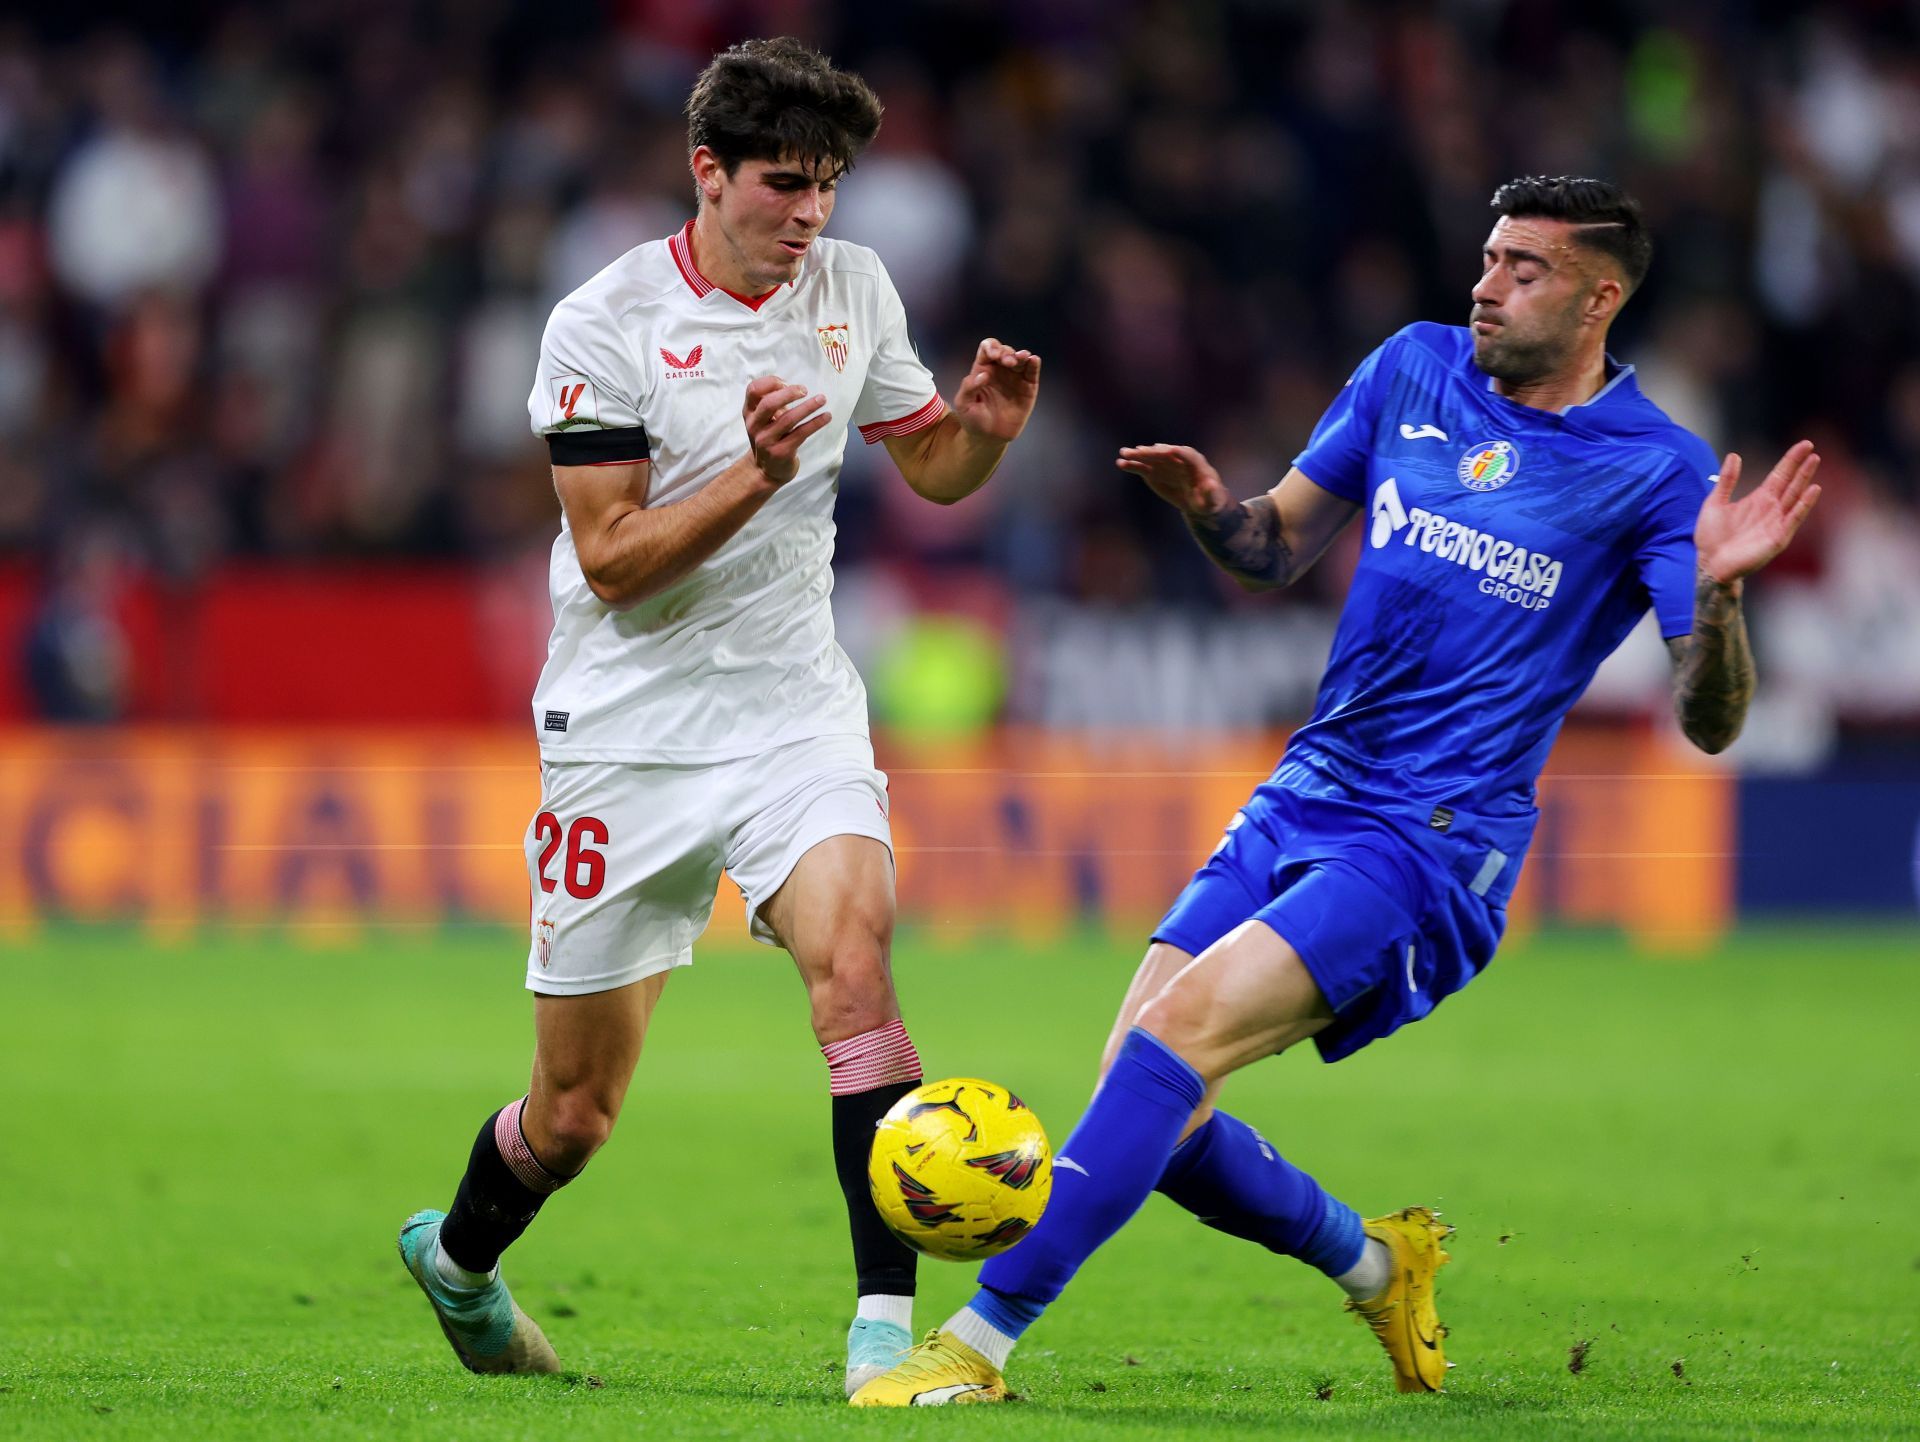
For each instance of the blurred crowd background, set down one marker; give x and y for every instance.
(272, 280)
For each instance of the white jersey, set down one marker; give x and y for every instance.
(649, 360)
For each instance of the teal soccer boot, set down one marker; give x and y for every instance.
(873, 1349)
(488, 1332)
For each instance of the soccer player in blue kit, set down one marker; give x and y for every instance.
(1525, 505)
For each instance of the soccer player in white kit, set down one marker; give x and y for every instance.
(695, 711)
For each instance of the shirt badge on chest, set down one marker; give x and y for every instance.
(834, 340)
(1489, 465)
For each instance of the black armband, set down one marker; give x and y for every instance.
(598, 448)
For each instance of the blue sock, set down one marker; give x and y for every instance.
(1231, 1178)
(1011, 1315)
(1101, 1176)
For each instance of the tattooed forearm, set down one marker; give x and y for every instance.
(1246, 543)
(1713, 668)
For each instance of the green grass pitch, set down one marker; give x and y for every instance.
(1698, 1173)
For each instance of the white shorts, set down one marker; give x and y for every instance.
(624, 859)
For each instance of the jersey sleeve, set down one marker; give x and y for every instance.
(1336, 455)
(583, 402)
(899, 397)
(1666, 559)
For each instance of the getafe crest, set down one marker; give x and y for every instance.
(833, 340)
(1489, 465)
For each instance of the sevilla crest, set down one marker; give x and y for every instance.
(834, 340)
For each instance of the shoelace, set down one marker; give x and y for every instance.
(1379, 1318)
(927, 1358)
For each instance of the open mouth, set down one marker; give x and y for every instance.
(795, 247)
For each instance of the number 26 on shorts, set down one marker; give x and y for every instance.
(585, 870)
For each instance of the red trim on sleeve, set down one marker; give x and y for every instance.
(927, 415)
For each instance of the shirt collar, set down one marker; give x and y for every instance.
(680, 246)
(1619, 377)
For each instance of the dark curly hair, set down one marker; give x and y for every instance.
(777, 99)
(1606, 218)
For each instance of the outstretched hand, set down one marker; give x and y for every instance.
(1736, 538)
(1180, 476)
(997, 396)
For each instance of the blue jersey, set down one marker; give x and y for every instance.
(1507, 552)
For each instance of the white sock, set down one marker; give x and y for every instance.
(455, 1275)
(1369, 1276)
(986, 1339)
(880, 1307)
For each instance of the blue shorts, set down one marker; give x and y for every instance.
(1383, 927)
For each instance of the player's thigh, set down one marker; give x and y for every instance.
(591, 1043)
(1365, 926)
(813, 856)
(834, 915)
(623, 862)
(839, 892)
(1247, 996)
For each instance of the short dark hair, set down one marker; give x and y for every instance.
(776, 99)
(1606, 218)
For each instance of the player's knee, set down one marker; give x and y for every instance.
(578, 1125)
(845, 1011)
(1184, 1017)
(855, 997)
(1163, 1018)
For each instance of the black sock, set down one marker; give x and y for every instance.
(502, 1190)
(882, 1263)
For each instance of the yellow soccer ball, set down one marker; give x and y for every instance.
(960, 1169)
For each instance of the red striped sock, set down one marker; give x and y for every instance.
(527, 1169)
(884, 1056)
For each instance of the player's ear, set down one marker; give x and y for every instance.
(1605, 301)
(707, 172)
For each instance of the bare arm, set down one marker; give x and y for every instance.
(1264, 543)
(943, 463)
(953, 458)
(629, 551)
(1713, 674)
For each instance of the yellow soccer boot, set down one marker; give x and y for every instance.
(1403, 1316)
(940, 1370)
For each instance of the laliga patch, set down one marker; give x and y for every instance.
(1489, 465)
(574, 402)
